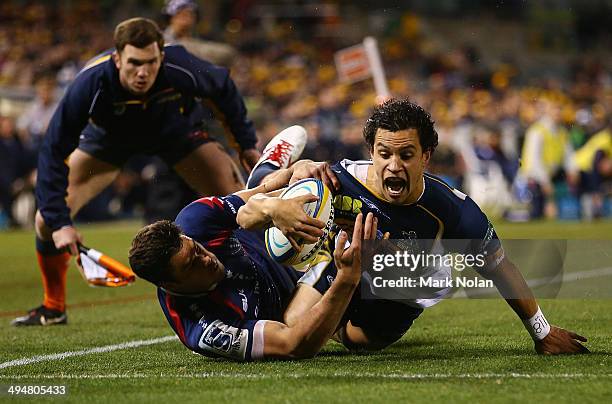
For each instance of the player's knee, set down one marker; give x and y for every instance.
(358, 339)
(377, 344)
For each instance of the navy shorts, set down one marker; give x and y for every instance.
(385, 320)
(382, 319)
(117, 150)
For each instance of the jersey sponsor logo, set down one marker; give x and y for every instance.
(231, 206)
(349, 206)
(224, 340)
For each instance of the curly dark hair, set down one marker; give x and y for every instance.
(152, 248)
(400, 114)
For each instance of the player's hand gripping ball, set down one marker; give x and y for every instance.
(279, 247)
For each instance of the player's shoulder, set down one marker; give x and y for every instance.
(98, 66)
(438, 188)
(183, 67)
(206, 217)
(453, 207)
(197, 211)
(440, 197)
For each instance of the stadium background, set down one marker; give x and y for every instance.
(485, 70)
(478, 66)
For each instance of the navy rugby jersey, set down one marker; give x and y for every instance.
(229, 321)
(441, 212)
(171, 107)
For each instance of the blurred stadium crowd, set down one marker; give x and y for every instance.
(523, 142)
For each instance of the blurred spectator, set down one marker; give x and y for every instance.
(285, 71)
(547, 157)
(32, 124)
(16, 167)
(182, 16)
(594, 160)
(489, 183)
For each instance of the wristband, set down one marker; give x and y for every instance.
(537, 326)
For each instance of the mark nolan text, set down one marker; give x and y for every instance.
(429, 282)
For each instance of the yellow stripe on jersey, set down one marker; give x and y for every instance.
(439, 181)
(96, 62)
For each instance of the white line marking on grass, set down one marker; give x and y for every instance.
(366, 375)
(101, 349)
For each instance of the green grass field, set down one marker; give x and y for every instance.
(458, 351)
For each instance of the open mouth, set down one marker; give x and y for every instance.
(395, 186)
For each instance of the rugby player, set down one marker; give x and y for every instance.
(222, 293)
(411, 204)
(140, 97)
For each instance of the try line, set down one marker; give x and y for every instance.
(101, 349)
(359, 375)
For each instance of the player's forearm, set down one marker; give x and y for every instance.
(230, 104)
(51, 190)
(257, 212)
(277, 179)
(317, 325)
(512, 286)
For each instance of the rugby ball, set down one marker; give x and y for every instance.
(277, 244)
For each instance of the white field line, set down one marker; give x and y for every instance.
(568, 277)
(101, 349)
(350, 375)
(575, 276)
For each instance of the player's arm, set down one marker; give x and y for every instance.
(61, 139)
(305, 336)
(548, 339)
(219, 91)
(265, 210)
(511, 284)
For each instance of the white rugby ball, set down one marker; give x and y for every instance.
(279, 247)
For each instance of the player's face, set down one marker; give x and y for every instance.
(399, 163)
(195, 269)
(138, 67)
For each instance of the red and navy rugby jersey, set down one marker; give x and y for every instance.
(229, 321)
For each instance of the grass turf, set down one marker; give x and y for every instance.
(457, 351)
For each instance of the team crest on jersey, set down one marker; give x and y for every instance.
(224, 340)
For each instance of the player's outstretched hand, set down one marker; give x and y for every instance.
(319, 170)
(348, 261)
(290, 218)
(560, 341)
(67, 237)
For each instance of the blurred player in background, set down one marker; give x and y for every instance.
(140, 98)
(182, 16)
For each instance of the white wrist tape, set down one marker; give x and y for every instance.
(537, 325)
